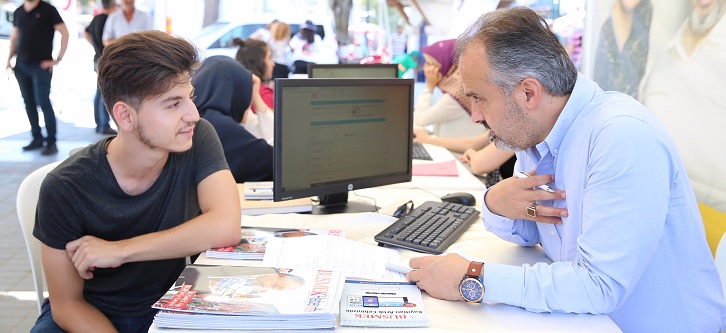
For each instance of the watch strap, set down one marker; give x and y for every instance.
(475, 270)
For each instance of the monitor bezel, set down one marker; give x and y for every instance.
(342, 187)
(392, 67)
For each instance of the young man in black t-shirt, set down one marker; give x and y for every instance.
(117, 218)
(34, 25)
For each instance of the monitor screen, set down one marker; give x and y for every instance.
(337, 135)
(332, 71)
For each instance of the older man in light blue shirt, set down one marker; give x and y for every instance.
(622, 225)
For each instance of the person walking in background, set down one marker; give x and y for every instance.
(623, 47)
(125, 21)
(31, 40)
(256, 56)
(399, 42)
(279, 45)
(305, 47)
(94, 35)
(450, 115)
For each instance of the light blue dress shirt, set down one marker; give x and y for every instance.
(634, 245)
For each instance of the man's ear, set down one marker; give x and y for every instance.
(124, 118)
(532, 91)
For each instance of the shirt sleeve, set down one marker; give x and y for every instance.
(616, 226)
(444, 110)
(108, 32)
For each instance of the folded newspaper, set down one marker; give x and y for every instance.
(251, 298)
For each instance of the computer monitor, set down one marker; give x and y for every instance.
(333, 136)
(341, 71)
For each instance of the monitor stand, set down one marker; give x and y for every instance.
(338, 203)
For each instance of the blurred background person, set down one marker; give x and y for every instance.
(279, 45)
(125, 21)
(407, 64)
(399, 42)
(94, 36)
(224, 90)
(256, 56)
(305, 47)
(265, 33)
(34, 26)
(450, 116)
(622, 51)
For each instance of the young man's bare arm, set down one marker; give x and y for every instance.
(217, 226)
(70, 310)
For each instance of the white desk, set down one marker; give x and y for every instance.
(475, 243)
(466, 181)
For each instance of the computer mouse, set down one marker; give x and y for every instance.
(463, 198)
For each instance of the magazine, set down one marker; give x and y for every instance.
(257, 190)
(243, 297)
(254, 241)
(382, 304)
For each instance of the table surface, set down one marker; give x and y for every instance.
(475, 244)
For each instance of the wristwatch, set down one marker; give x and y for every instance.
(471, 287)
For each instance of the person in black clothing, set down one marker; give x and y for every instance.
(32, 41)
(223, 89)
(94, 35)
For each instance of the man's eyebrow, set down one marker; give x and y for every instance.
(171, 98)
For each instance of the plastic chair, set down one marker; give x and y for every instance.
(27, 201)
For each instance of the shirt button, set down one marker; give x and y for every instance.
(552, 232)
(556, 151)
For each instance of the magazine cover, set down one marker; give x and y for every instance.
(382, 304)
(242, 295)
(254, 240)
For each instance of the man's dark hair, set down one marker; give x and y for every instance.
(144, 65)
(252, 53)
(519, 44)
(107, 3)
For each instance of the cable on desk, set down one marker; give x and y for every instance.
(375, 204)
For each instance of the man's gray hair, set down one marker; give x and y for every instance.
(519, 44)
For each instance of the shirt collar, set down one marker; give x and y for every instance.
(582, 94)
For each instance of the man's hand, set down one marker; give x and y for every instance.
(439, 276)
(48, 64)
(512, 196)
(89, 253)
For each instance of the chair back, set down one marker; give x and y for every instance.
(27, 201)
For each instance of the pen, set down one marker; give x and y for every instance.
(520, 174)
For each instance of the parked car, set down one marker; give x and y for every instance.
(6, 19)
(216, 39)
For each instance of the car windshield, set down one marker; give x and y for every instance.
(211, 29)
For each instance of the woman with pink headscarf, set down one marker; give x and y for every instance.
(450, 115)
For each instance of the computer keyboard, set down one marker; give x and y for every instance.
(429, 228)
(420, 153)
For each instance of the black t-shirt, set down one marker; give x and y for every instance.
(35, 32)
(82, 197)
(95, 28)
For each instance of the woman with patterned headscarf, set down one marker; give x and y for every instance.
(450, 115)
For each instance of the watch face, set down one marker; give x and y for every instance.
(471, 289)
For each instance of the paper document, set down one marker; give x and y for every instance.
(447, 168)
(354, 259)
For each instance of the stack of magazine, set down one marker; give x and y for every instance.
(251, 298)
(382, 304)
(254, 241)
